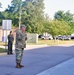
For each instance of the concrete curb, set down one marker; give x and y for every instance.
(3, 54)
(64, 65)
(27, 48)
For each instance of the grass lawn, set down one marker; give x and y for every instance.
(3, 50)
(48, 42)
(55, 42)
(2, 43)
(41, 42)
(52, 42)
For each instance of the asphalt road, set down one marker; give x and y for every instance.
(36, 60)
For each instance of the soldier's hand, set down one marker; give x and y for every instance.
(26, 38)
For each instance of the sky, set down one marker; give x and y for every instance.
(51, 6)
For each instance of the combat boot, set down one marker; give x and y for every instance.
(21, 65)
(18, 65)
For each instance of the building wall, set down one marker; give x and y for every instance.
(32, 38)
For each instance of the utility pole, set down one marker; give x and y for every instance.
(0, 5)
(19, 18)
(20, 13)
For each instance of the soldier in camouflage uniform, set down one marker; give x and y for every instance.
(21, 38)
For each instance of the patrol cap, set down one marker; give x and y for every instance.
(22, 26)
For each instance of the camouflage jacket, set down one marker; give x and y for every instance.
(21, 38)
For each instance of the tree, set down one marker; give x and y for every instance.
(3, 15)
(32, 14)
(66, 16)
(15, 10)
(0, 5)
(59, 28)
(35, 15)
(71, 24)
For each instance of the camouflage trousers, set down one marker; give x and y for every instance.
(19, 55)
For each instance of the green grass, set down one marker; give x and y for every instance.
(2, 43)
(2, 50)
(55, 42)
(41, 42)
(52, 42)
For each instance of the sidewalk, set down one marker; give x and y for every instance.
(66, 68)
(28, 47)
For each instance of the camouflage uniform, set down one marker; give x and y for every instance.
(21, 38)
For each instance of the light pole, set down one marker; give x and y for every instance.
(0, 5)
(20, 11)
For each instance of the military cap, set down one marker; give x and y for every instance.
(22, 26)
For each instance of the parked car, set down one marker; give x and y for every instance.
(47, 37)
(60, 37)
(72, 36)
(40, 35)
(65, 37)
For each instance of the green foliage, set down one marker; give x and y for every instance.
(0, 5)
(3, 15)
(67, 16)
(71, 24)
(56, 27)
(32, 15)
(31, 12)
(59, 28)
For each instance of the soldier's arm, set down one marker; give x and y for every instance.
(25, 36)
(19, 37)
